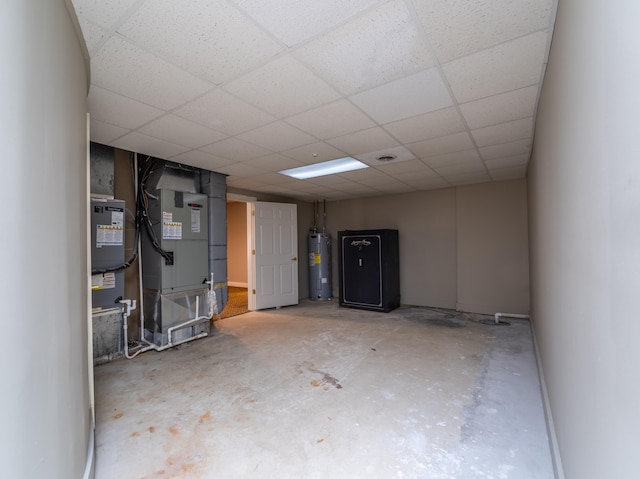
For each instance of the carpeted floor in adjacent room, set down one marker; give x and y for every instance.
(238, 302)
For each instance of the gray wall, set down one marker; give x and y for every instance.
(463, 247)
(46, 424)
(584, 197)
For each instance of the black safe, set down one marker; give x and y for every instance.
(369, 269)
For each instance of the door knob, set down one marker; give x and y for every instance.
(294, 259)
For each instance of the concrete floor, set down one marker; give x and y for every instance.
(318, 391)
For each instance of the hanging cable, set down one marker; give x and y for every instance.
(143, 207)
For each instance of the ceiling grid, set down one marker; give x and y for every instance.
(249, 88)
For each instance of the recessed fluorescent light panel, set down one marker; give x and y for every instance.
(330, 167)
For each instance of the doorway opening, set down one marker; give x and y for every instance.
(240, 268)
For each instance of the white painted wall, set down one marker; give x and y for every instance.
(45, 403)
(493, 251)
(584, 185)
(463, 247)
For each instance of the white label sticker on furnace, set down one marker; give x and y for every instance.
(167, 217)
(96, 281)
(171, 230)
(117, 218)
(195, 220)
(108, 235)
(108, 280)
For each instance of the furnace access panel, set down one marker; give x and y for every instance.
(180, 223)
(107, 251)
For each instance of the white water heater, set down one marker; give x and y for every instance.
(319, 266)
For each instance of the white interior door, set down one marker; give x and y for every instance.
(276, 240)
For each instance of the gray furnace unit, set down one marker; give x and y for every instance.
(175, 289)
(107, 251)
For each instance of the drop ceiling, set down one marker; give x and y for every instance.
(248, 88)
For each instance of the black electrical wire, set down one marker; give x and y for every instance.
(143, 207)
(141, 217)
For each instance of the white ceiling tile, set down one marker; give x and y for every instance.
(507, 162)
(401, 154)
(103, 13)
(440, 146)
(244, 183)
(334, 119)
(148, 145)
(223, 112)
(510, 173)
(201, 159)
(210, 39)
(279, 94)
(413, 176)
(105, 133)
(382, 45)
(303, 196)
(458, 27)
(504, 132)
(365, 174)
(278, 136)
(374, 181)
(468, 178)
(355, 188)
(459, 157)
(409, 96)
(509, 66)
(514, 148)
(314, 153)
(273, 178)
(235, 149)
(428, 125)
(395, 187)
(373, 139)
(468, 167)
(328, 180)
(429, 183)
(241, 170)
(496, 109)
(406, 169)
(92, 33)
(126, 69)
(274, 162)
(306, 18)
(182, 132)
(307, 187)
(336, 195)
(109, 107)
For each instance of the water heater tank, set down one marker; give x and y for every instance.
(319, 266)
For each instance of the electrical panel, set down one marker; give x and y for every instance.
(107, 251)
